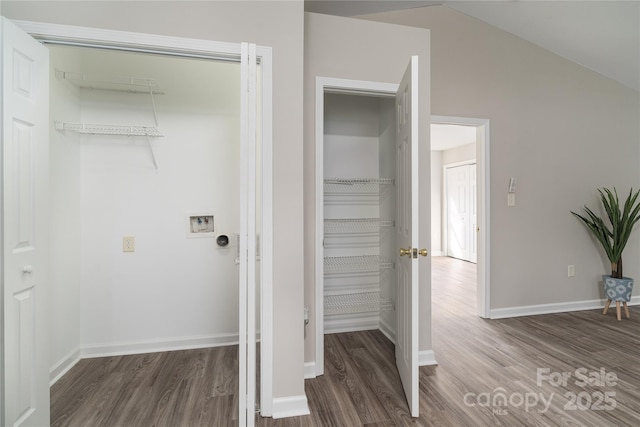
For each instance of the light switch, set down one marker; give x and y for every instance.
(511, 199)
(128, 244)
(571, 271)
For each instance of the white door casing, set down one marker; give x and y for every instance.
(25, 163)
(407, 120)
(248, 238)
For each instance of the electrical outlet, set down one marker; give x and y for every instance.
(128, 244)
(511, 199)
(571, 271)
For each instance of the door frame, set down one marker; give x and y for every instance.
(205, 49)
(326, 85)
(483, 199)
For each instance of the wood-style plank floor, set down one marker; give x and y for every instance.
(486, 375)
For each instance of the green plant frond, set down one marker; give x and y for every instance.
(622, 219)
(610, 204)
(599, 230)
(630, 215)
(631, 209)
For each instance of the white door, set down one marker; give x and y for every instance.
(407, 234)
(473, 215)
(458, 212)
(25, 151)
(248, 237)
(461, 212)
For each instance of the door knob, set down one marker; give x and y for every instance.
(406, 252)
(423, 252)
(28, 269)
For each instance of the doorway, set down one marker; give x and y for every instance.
(261, 176)
(463, 144)
(366, 208)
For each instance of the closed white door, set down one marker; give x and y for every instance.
(25, 150)
(407, 234)
(461, 212)
(473, 215)
(458, 212)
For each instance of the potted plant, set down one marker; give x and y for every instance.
(613, 235)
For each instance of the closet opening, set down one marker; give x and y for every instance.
(363, 200)
(33, 211)
(359, 213)
(145, 221)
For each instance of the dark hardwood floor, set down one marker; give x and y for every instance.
(173, 389)
(487, 375)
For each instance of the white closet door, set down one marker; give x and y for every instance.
(461, 212)
(458, 212)
(407, 234)
(248, 238)
(473, 215)
(25, 148)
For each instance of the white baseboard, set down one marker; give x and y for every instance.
(426, 358)
(63, 365)
(292, 406)
(387, 331)
(152, 346)
(563, 307)
(350, 323)
(310, 370)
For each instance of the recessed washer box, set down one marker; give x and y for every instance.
(200, 224)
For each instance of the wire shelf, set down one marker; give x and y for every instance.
(120, 130)
(349, 186)
(356, 264)
(362, 302)
(113, 83)
(355, 225)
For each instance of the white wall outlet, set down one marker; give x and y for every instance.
(128, 244)
(571, 271)
(511, 199)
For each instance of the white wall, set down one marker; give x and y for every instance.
(351, 136)
(462, 153)
(556, 126)
(279, 24)
(172, 288)
(65, 219)
(361, 50)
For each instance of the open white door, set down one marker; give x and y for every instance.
(407, 234)
(248, 238)
(25, 162)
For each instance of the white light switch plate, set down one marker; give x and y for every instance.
(511, 199)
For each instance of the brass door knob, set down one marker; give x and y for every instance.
(423, 252)
(406, 252)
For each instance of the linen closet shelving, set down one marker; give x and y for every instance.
(359, 211)
(357, 272)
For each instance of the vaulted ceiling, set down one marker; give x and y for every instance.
(603, 36)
